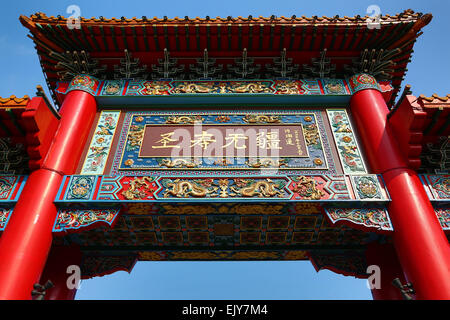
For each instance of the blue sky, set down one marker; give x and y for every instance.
(21, 72)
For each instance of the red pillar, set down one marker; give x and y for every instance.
(59, 259)
(421, 245)
(27, 239)
(385, 257)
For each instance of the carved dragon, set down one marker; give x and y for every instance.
(185, 188)
(138, 189)
(265, 188)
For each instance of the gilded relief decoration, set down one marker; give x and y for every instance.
(307, 189)
(224, 188)
(84, 188)
(334, 86)
(159, 141)
(81, 188)
(303, 87)
(74, 219)
(147, 88)
(349, 152)
(221, 87)
(376, 218)
(100, 146)
(367, 187)
(113, 88)
(139, 188)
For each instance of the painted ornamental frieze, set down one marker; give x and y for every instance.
(74, 219)
(114, 88)
(85, 188)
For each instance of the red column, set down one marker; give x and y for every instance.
(26, 241)
(385, 257)
(59, 259)
(421, 245)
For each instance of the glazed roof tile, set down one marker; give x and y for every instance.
(435, 99)
(13, 101)
(101, 42)
(405, 16)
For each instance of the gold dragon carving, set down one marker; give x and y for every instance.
(180, 163)
(265, 163)
(185, 188)
(183, 119)
(135, 136)
(311, 134)
(242, 188)
(265, 188)
(287, 87)
(254, 118)
(253, 87)
(187, 87)
(306, 187)
(155, 88)
(138, 189)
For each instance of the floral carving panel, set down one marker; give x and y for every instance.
(100, 146)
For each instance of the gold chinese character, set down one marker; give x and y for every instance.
(268, 140)
(235, 137)
(166, 138)
(203, 139)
